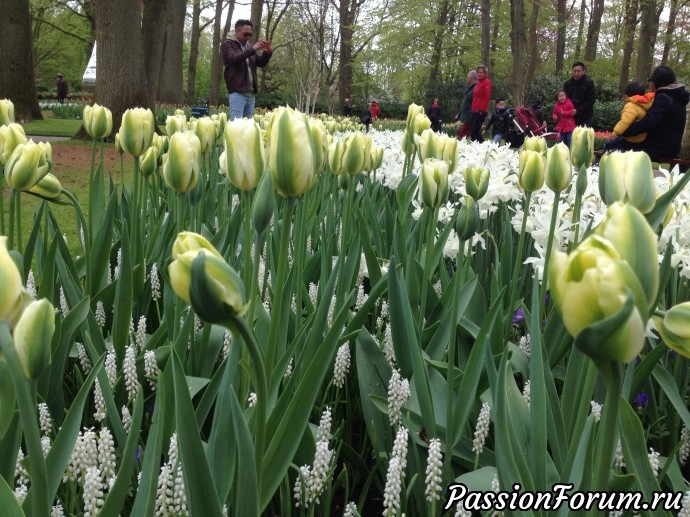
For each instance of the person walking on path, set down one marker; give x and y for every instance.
(480, 102)
(347, 108)
(434, 114)
(241, 59)
(466, 106)
(580, 90)
(62, 89)
(563, 114)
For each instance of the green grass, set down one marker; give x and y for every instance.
(52, 127)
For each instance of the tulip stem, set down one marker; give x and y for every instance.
(612, 374)
(247, 239)
(2, 199)
(92, 192)
(11, 235)
(549, 245)
(520, 250)
(255, 277)
(427, 272)
(581, 184)
(277, 335)
(261, 387)
(27, 412)
(19, 220)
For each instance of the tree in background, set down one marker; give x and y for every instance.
(121, 80)
(17, 79)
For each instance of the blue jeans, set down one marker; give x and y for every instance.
(241, 105)
(565, 137)
(498, 137)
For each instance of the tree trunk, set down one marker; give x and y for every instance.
(533, 42)
(580, 29)
(121, 78)
(193, 53)
(214, 87)
(257, 8)
(228, 20)
(345, 52)
(494, 36)
(670, 29)
(561, 19)
(593, 30)
(517, 48)
(170, 89)
(486, 31)
(153, 41)
(645, 40)
(629, 25)
(441, 22)
(17, 79)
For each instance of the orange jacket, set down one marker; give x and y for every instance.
(635, 109)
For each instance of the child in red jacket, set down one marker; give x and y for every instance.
(563, 114)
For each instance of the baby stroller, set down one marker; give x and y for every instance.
(524, 124)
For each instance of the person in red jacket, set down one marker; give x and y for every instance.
(564, 115)
(480, 103)
(374, 110)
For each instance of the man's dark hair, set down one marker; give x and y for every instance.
(578, 63)
(663, 76)
(242, 23)
(500, 99)
(634, 88)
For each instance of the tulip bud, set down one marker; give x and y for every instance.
(48, 187)
(531, 171)
(291, 153)
(582, 147)
(331, 126)
(320, 137)
(558, 171)
(149, 161)
(244, 155)
(263, 204)
(32, 337)
(203, 278)
(222, 121)
(355, 153)
(627, 177)
(412, 111)
(534, 143)
(433, 183)
(10, 137)
(675, 328)
(448, 151)
(335, 157)
(377, 157)
(27, 165)
(190, 241)
(6, 112)
(181, 162)
(426, 145)
(12, 294)
(175, 124)
(467, 220)
(98, 121)
(636, 243)
(592, 285)
(118, 145)
(205, 130)
(136, 131)
(160, 142)
(476, 181)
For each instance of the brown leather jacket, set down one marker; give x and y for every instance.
(236, 58)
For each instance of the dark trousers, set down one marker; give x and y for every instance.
(465, 130)
(621, 144)
(477, 119)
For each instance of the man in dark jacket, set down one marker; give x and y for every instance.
(241, 59)
(664, 122)
(580, 90)
(466, 107)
